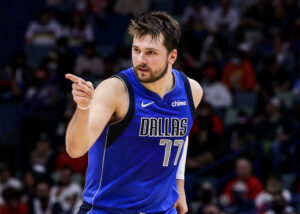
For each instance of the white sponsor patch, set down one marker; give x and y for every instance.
(178, 103)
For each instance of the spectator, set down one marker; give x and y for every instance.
(274, 130)
(6, 180)
(284, 56)
(43, 203)
(22, 74)
(206, 118)
(196, 16)
(12, 203)
(240, 132)
(42, 154)
(48, 68)
(66, 58)
(239, 74)
(259, 15)
(89, 65)
(266, 201)
(280, 206)
(205, 197)
(274, 78)
(224, 18)
(244, 183)
(79, 31)
(81, 6)
(44, 31)
(78, 165)
(9, 90)
(216, 92)
(67, 192)
(204, 138)
(99, 7)
(28, 192)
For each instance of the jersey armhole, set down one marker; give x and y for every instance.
(116, 128)
(189, 94)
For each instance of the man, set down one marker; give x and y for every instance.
(244, 186)
(66, 191)
(134, 126)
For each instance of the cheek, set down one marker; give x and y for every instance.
(134, 60)
(158, 61)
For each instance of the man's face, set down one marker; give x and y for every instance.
(65, 176)
(243, 169)
(150, 58)
(42, 191)
(274, 186)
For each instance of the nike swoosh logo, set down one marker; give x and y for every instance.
(145, 105)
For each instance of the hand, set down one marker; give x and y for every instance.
(181, 205)
(82, 92)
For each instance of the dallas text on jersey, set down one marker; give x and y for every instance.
(163, 127)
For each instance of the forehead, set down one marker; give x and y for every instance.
(147, 41)
(243, 163)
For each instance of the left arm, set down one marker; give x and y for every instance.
(181, 204)
(197, 92)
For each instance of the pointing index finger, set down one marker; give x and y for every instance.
(74, 78)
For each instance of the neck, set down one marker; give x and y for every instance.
(163, 85)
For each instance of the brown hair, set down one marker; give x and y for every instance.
(154, 23)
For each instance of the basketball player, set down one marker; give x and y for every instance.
(134, 126)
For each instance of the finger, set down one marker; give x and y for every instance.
(83, 88)
(82, 100)
(80, 94)
(78, 80)
(74, 78)
(89, 84)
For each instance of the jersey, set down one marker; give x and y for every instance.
(132, 165)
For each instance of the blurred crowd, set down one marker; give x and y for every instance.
(243, 154)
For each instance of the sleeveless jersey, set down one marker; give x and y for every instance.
(132, 165)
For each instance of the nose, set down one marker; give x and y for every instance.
(142, 59)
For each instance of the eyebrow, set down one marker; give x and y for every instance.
(149, 49)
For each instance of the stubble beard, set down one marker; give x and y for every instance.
(152, 78)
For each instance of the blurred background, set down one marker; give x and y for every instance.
(243, 153)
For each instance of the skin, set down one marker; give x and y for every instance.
(153, 66)
(243, 169)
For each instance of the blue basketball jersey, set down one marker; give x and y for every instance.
(133, 164)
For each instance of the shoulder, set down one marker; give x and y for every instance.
(54, 23)
(254, 181)
(197, 91)
(33, 24)
(113, 94)
(111, 87)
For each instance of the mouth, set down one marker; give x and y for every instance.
(143, 70)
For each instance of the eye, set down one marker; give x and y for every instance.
(151, 52)
(136, 50)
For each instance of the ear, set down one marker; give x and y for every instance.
(173, 56)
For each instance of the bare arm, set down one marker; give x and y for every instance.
(196, 91)
(181, 204)
(87, 124)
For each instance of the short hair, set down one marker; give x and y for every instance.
(155, 23)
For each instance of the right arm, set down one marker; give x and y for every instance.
(86, 125)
